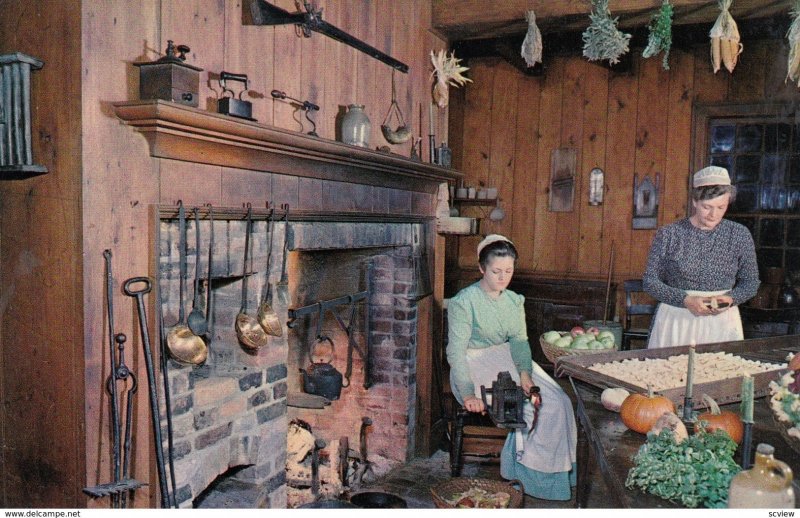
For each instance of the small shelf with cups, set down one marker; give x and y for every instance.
(476, 201)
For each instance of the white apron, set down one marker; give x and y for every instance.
(677, 326)
(550, 448)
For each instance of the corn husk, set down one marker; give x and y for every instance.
(447, 71)
(725, 45)
(532, 45)
(793, 67)
(601, 39)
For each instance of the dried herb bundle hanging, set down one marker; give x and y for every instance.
(602, 39)
(660, 37)
(532, 45)
(793, 69)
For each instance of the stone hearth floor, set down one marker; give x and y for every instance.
(413, 481)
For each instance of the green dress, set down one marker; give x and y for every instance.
(543, 461)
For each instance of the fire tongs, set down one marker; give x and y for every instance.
(506, 408)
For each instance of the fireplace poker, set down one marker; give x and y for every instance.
(151, 381)
(163, 356)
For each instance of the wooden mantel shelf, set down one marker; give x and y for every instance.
(190, 134)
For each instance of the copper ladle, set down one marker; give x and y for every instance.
(249, 332)
(184, 346)
(266, 315)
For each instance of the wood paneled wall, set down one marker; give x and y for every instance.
(103, 182)
(504, 126)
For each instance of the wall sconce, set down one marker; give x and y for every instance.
(596, 181)
(15, 116)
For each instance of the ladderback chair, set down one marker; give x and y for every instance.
(634, 292)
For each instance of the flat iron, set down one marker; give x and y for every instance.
(232, 106)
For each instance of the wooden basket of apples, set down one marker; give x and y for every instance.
(576, 341)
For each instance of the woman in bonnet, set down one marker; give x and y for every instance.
(487, 335)
(701, 268)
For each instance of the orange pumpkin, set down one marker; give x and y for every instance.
(727, 421)
(640, 412)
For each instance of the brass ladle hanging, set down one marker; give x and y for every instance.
(249, 332)
(403, 131)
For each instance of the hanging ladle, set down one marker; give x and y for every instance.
(266, 315)
(184, 346)
(250, 333)
(403, 131)
(197, 320)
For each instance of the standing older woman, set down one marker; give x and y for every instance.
(487, 335)
(701, 268)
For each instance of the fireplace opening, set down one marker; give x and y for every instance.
(228, 492)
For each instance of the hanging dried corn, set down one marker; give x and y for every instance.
(447, 71)
(725, 46)
(793, 70)
(660, 37)
(602, 39)
(532, 45)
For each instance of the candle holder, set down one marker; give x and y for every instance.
(747, 446)
(688, 408)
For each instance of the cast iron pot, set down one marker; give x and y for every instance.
(377, 500)
(328, 504)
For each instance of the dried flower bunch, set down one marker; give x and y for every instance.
(602, 39)
(532, 45)
(793, 69)
(725, 46)
(785, 401)
(447, 71)
(660, 37)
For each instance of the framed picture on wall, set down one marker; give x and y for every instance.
(563, 164)
(645, 202)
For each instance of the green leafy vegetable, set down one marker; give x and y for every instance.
(696, 472)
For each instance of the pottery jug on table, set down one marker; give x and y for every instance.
(356, 126)
(767, 484)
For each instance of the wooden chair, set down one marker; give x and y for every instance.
(633, 308)
(484, 438)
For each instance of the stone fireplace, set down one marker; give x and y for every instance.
(230, 415)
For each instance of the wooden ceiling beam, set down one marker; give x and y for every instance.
(471, 19)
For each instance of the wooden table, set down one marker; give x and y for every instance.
(605, 443)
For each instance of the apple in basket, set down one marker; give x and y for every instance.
(551, 337)
(577, 330)
(593, 331)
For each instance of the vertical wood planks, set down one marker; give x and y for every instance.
(620, 156)
(522, 204)
(651, 138)
(572, 105)
(595, 119)
(679, 134)
(547, 245)
(503, 122)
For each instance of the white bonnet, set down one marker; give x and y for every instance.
(711, 175)
(488, 240)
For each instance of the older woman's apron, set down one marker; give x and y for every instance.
(677, 326)
(550, 448)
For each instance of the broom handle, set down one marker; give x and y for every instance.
(608, 283)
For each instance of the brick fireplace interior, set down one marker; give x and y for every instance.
(230, 416)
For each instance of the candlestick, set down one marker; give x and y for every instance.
(747, 446)
(431, 119)
(747, 399)
(690, 372)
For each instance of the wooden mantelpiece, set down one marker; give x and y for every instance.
(190, 134)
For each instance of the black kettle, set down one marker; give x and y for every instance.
(322, 378)
(788, 298)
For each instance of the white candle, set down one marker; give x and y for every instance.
(747, 398)
(690, 372)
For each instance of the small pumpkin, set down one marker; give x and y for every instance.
(639, 412)
(671, 422)
(612, 398)
(724, 420)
